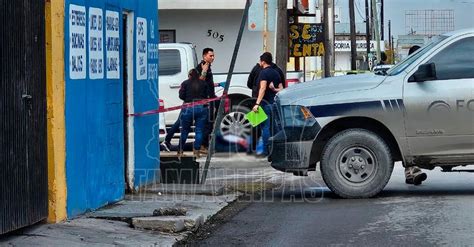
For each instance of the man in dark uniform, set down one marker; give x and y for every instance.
(269, 83)
(205, 72)
(253, 84)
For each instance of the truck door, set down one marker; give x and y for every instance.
(172, 71)
(440, 112)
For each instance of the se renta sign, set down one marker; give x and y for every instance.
(306, 40)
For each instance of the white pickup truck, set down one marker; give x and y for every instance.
(176, 59)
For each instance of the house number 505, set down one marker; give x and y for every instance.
(215, 35)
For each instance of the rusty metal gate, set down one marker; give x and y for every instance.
(23, 153)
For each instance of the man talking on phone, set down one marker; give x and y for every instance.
(205, 72)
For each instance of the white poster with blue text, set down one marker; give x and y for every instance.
(142, 59)
(112, 33)
(77, 42)
(96, 44)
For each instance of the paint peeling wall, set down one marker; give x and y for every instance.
(94, 104)
(55, 102)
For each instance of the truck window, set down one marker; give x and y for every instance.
(170, 62)
(456, 61)
(397, 69)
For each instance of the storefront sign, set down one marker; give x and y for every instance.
(306, 40)
(141, 56)
(77, 42)
(345, 45)
(96, 44)
(112, 34)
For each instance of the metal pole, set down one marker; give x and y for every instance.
(265, 25)
(367, 29)
(353, 35)
(377, 33)
(226, 89)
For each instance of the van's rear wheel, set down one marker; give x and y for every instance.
(356, 163)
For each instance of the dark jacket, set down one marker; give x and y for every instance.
(193, 90)
(252, 80)
(209, 80)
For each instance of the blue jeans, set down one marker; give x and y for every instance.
(173, 129)
(266, 128)
(199, 115)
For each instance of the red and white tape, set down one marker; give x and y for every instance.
(179, 107)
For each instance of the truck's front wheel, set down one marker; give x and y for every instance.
(356, 163)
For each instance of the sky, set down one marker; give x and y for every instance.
(395, 11)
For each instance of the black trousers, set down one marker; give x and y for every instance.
(213, 108)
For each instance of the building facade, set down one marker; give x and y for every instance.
(215, 24)
(102, 61)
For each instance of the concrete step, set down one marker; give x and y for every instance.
(189, 222)
(160, 223)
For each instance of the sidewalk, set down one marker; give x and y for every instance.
(131, 222)
(127, 223)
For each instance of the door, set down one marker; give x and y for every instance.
(172, 71)
(128, 103)
(440, 113)
(23, 156)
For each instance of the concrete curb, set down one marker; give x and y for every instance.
(186, 189)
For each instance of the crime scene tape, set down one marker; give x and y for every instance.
(174, 108)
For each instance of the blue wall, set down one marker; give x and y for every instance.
(95, 163)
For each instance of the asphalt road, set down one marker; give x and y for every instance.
(305, 213)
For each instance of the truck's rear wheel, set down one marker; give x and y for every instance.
(234, 122)
(356, 163)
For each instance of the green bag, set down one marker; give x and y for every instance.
(256, 118)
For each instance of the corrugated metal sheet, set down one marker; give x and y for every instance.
(23, 157)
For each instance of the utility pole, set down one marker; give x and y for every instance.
(382, 32)
(390, 44)
(377, 33)
(353, 35)
(327, 52)
(265, 25)
(372, 34)
(282, 36)
(393, 49)
(367, 29)
(328, 9)
(332, 30)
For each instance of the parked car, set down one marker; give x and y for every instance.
(382, 68)
(421, 112)
(176, 59)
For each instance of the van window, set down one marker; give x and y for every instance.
(456, 61)
(170, 62)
